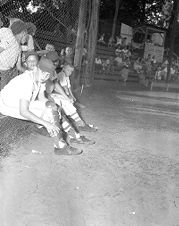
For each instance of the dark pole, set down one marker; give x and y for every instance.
(92, 42)
(172, 30)
(80, 34)
(118, 4)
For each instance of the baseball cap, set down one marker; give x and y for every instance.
(30, 53)
(18, 26)
(31, 28)
(46, 65)
(53, 55)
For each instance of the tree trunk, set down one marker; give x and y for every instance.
(80, 34)
(92, 43)
(172, 29)
(79, 46)
(118, 3)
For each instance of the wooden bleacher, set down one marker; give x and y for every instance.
(104, 52)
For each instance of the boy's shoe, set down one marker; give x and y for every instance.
(67, 150)
(88, 128)
(82, 140)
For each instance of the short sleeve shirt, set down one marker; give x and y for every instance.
(10, 54)
(63, 79)
(20, 87)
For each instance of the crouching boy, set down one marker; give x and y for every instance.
(18, 99)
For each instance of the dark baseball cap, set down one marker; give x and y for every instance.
(18, 26)
(53, 55)
(46, 65)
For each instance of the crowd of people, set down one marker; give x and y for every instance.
(125, 61)
(36, 86)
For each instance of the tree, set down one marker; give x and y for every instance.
(118, 3)
(92, 42)
(172, 28)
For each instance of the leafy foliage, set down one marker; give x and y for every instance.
(131, 12)
(134, 12)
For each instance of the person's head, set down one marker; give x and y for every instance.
(31, 28)
(19, 30)
(68, 69)
(31, 60)
(47, 70)
(54, 57)
(50, 47)
(68, 50)
(12, 20)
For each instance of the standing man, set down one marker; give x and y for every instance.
(10, 51)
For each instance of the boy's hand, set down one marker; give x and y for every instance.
(52, 129)
(71, 100)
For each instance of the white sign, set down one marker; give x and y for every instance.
(153, 50)
(126, 32)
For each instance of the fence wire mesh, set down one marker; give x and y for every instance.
(59, 18)
(56, 23)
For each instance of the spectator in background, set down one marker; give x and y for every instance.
(98, 64)
(10, 50)
(49, 47)
(31, 29)
(101, 39)
(118, 59)
(118, 41)
(124, 42)
(68, 58)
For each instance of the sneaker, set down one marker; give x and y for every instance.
(88, 128)
(82, 140)
(67, 150)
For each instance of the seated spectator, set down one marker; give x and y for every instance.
(31, 29)
(29, 45)
(118, 60)
(124, 42)
(107, 65)
(111, 42)
(118, 41)
(118, 50)
(138, 65)
(68, 57)
(98, 64)
(101, 39)
(111, 64)
(49, 47)
(126, 52)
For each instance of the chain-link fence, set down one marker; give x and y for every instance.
(55, 18)
(57, 22)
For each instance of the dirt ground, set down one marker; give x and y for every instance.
(130, 177)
